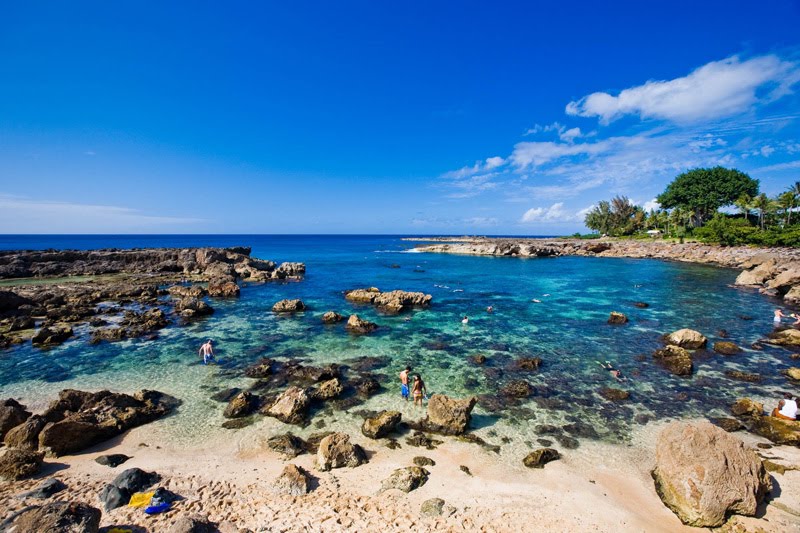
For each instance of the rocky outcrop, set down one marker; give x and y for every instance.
(193, 308)
(288, 306)
(786, 337)
(119, 491)
(63, 517)
(336, 451)
(616, 318)
(777, 430)
(686, 338)
(19, 464)
(359, 326)
(380, 425)
(726, 348)
(449, 416)
(12, 414)
(78, 419)
(406, 479)
(327, 390)
(52, 335)
(293, 481)
(675, 359)
(539, 458)
(704, 474)
(290, 446)
(187, 291)
(291, 406)
(26, 435)
(45, 489)
(332, 317)
(240, 405)
(390, 302)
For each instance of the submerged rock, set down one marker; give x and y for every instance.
(539, 458)
(704, 474)
(293, 481)
(743, 376)
(528, 363)
(614, 395)
(786, 337)
(259, 370)
(327, 390)
(406, 479)
(381, 424)
(616, 318)
(447, 415)
(687, 338)
(675, 359)
(61, 517)
(518, 388)
(336, 451)
(726, 348)
(19, 464)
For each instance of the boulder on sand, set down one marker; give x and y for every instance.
(687, 338)
(675, 359)
(336, 451)
(193, 523)
(293, 481)
(406, 479)
(287, 444)
(12, 414)
(288, 306)
(26, 435)
(63, 517)
(380, 425)
(703, 474)
(449, 416)
(291, 406)
(18, 464)
(539, 458)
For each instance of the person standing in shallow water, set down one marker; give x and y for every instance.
(207, 352)
(404, 382)
(418, 390)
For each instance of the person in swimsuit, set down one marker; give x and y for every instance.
(418, 390)
(613, 371)
(776, 319)
(404, 383)
(465, 320)
(207, 352)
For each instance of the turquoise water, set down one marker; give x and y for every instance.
(567, 329)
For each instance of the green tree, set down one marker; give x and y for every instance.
(599, 218)
(704, 190)
(787, 201)
(762, 204)
(743, 204)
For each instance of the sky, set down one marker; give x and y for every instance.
(502, 118)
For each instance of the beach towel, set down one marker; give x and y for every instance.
(141, 499)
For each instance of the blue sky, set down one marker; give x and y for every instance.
(375, 117)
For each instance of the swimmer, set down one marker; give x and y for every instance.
(490, 309)
(207, 352)
(465, 320)
(613, 371)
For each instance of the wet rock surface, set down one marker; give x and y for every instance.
(390, 302)
(675, 359)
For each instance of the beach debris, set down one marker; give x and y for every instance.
(704, 474)
(241, 405)
(18, 464)
(193, 523)
(52, 335)
(423, 461)
(64, 517)
(356, 324)
(113, 460)
(686, 338)
(614, 395)
(287, 444)
(406, 479)
(291, 406)
(288, 306)
(389, 302)
(778, 431)
(12, 414)
(332, 317)
(293, 481)
(726, 348)
(118, 493)
(380, 425)
(616, 318)
(336, 451)
(45, 489)
(675, 359)
(327, 390)
(449, 416)
(539, 458)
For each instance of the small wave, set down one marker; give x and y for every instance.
(411, 251)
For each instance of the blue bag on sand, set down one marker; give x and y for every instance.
(160, 508)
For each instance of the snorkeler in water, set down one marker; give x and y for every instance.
(613, 371)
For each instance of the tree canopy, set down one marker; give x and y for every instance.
(704, 190)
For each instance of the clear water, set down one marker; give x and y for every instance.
(567, 330)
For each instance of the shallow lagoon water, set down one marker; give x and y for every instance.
(567, 329)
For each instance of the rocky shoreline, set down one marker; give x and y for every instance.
(774, 271)
(120, 293)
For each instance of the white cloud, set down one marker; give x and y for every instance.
(715, 90)
(767, 151)
(494, 162)
(651, 205)
(534, 154)
(26, 215)
(790, 165)
(570, 134)
(554, 213)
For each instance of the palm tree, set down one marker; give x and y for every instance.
(786, 202)
(744, 204)
(762, 204)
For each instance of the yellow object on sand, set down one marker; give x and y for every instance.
(141, 499)
(120, 530)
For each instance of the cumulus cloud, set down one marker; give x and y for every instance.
(651, 205)
(554, 213)
(715, 90)
(26, 215)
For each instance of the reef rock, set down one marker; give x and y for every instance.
(726, 348)
(61, 517)
(332, 317)
(675, 359)
(449, 416)
(52, 335)
(614, 395)
(617, 318)
(241, 405)
(687, 338)
(786, 337)
(12, 414)
(293, 481)
(390, 302)
(18, 464)
(380, 425)
(406, 479)
(260, 369)
(26, 435)
(539, 458)
(291, 406)
(223, 288)
(703, 474)
(290, 446)
(289, 306)
(193, 308)
(327, 390)
(336, 451)
(758, 275)
(357, 325)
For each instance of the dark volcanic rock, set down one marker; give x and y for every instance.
(45, 489)
(113, 460)
(539, 458)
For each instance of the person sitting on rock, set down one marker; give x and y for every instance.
(207, 351)
(787, 408)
